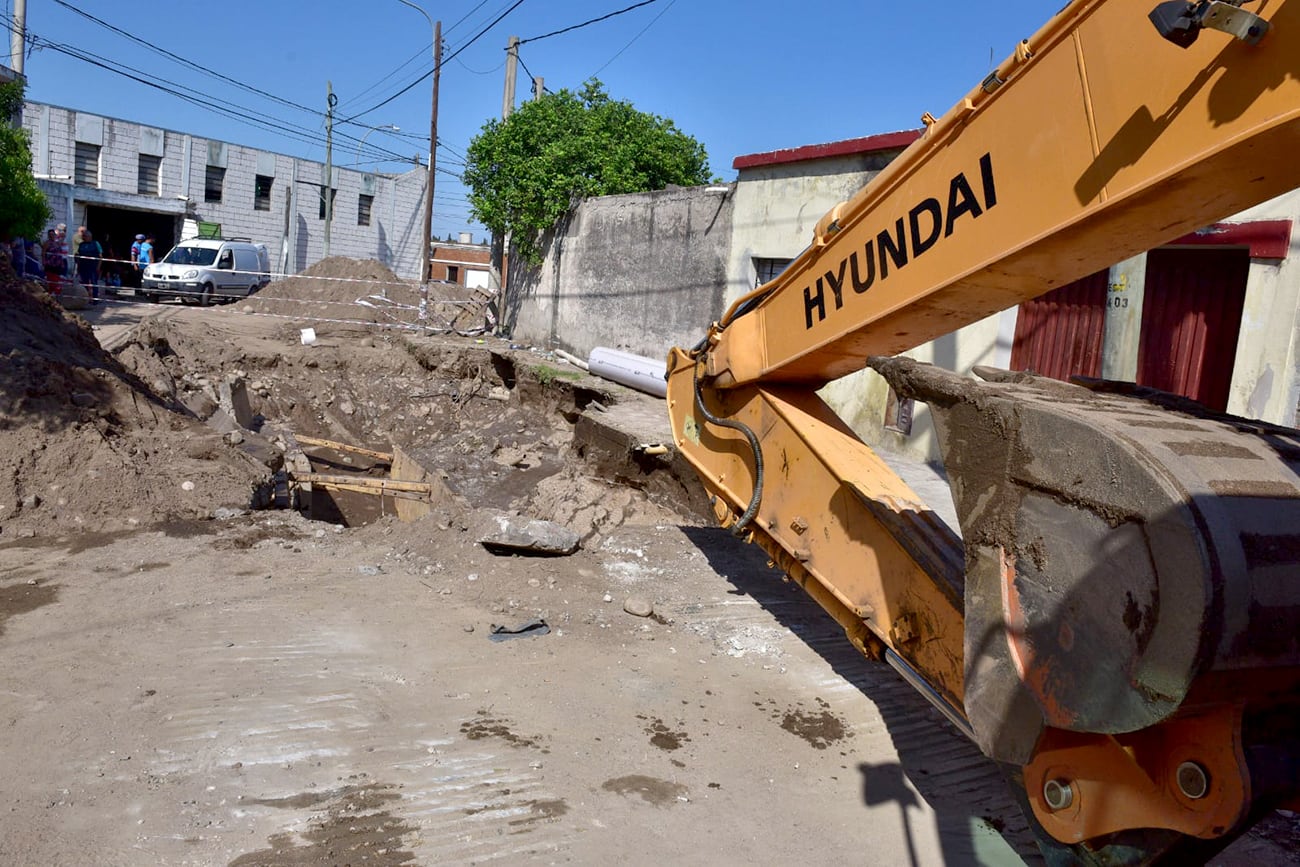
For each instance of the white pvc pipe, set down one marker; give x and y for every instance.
(572, 359)
(634, 371)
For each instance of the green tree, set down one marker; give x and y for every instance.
(524, 172)
(23, 209)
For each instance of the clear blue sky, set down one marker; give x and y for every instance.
(740, 77)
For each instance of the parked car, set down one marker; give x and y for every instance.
(207, 271)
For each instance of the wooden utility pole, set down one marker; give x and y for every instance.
(327, 183)
(538, 87)
(433, 163)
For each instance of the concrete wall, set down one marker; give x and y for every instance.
(393, 236)
(777, 207)
(1266, 371)
(640, 272)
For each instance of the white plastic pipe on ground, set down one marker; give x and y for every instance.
(634, 371)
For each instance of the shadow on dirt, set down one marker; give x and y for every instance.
(970, 799)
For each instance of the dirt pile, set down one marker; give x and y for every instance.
(88, 445)
(338, 294)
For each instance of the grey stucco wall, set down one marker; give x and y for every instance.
(640, 272)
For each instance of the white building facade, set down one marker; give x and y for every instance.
(119, 179)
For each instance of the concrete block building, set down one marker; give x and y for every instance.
(120, 178)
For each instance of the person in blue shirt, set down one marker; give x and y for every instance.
(146, 254)
(134, 273)
(88, 256)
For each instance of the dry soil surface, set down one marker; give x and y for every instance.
(212, 685)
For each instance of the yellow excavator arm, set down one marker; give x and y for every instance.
(1118, 623)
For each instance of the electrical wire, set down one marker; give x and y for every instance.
(465, 17)
(445, 60)
(185, 61)
(223, 107)
(586, 23)
(671, 4)
(528, 71)
(423, 52)
(462, 65)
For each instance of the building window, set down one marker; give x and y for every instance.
(364, 204)
(213, 182)
(262, 192)
(766, 270)
(453, 274)
(85, 171)
(146, 183)
(333, 204)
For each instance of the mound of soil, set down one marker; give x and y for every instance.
(88, 445)
(339, 294)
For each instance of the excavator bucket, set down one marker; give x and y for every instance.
(1131, 556)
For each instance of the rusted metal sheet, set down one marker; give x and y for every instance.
(1191, 316)
(1059, 334)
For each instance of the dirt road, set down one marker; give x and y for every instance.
(263, 690)
(255, 688)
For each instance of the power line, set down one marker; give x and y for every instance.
(530, 72)
(462, 19)
(414, 57)
(185, 61)
(617, 54)
(223, 107)
(481, 72)
(452, 56)
(586, 23)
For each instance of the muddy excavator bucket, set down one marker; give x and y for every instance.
(1130, 556)
(1120, 544)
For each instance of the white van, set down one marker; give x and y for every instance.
(208, 271)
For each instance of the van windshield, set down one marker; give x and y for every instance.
(191, 256)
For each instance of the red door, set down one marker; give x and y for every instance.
(1191, 316)
(1059, 334)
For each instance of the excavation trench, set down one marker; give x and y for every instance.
(499, 430)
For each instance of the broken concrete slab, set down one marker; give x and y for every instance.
(232, 397)
(510, 534)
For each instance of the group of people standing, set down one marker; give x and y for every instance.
(82, 259)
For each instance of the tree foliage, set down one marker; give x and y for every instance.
(524, 172)
(23, 209)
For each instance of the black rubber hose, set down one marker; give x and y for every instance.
(752, 510)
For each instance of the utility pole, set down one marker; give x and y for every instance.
(497, 257)
(18, 37)
(433, 163)
(538, 87)
(327, 187)
(512, 65)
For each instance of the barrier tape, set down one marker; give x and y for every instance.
(272, 275)
(415, 326)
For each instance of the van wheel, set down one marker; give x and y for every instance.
(205, 297)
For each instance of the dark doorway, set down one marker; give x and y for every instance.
(116, 228)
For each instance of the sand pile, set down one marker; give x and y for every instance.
(338, 294)
(84, 444)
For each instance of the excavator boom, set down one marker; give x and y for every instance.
(1117, 623)
(1096, 140)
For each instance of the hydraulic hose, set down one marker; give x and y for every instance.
(757, 497)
